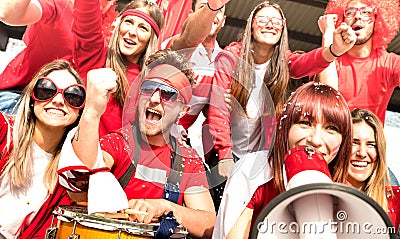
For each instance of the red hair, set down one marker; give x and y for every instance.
(386, 22)
(314, 101)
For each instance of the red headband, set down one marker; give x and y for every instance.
(144, 16)
(173, 77)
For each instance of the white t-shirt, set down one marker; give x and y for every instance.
(15, 207)
(246, 132)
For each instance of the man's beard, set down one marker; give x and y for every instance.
(150, 131)
(360, 41)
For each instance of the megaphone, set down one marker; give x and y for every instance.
(355, 215)
(313, 207)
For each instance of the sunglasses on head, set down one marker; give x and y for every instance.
(364, 12)
(167, 93)
(45, 89)
(263, 21)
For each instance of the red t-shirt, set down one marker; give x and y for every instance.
(369, 82)
(153, 167)
(261, 197)
(90, 52)
(394, 207)
(48, 39)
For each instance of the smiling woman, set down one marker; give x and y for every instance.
(133, 39)
(368, 169)
(315, 115)
(49, 107)
(261, 62)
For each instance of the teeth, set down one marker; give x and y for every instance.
(55, 112)
(359, 163)
(153, 111)
(129, 41)
(153, 116)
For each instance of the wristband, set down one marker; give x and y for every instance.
(214, 10)
(330, 50)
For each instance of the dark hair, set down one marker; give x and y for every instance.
(173, 58)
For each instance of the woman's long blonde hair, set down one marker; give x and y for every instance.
(375, 185)
(19, 168)
(276, 77)
(118, 61)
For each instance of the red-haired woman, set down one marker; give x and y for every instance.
(315, 115)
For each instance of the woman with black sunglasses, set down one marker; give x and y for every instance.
(31, 142)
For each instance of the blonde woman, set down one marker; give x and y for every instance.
(368, 169)
(50, 106)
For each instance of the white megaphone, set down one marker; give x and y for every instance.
(315, 207)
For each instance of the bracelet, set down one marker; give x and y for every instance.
(330, 50)
(215, 10)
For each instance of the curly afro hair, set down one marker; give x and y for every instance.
(386, 23)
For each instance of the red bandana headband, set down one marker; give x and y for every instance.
(173, 77)
(144, 16)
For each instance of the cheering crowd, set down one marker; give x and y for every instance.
(95, 111)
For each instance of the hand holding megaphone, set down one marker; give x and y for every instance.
(306, 165)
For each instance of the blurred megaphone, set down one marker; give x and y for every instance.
(313, 207)
(355, 215)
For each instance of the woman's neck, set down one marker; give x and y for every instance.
(261, 53)
(47, 139)
(356, 184)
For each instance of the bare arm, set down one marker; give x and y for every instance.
(100, 83)
(343, 40)
(198, 216)
(241, 229)
(197, 27)
(326, 25)
(20, 12)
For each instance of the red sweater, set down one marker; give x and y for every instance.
(48, 39)
(369, 82)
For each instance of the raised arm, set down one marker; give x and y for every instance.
(89, 41)
(313, 62)
(326, 25)
(100, 84)
(197, 26)
(20, 12)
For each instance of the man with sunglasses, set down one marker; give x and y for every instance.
(367, 74)
(158, 173)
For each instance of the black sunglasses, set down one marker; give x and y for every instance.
(167, 93)
(45, 89)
